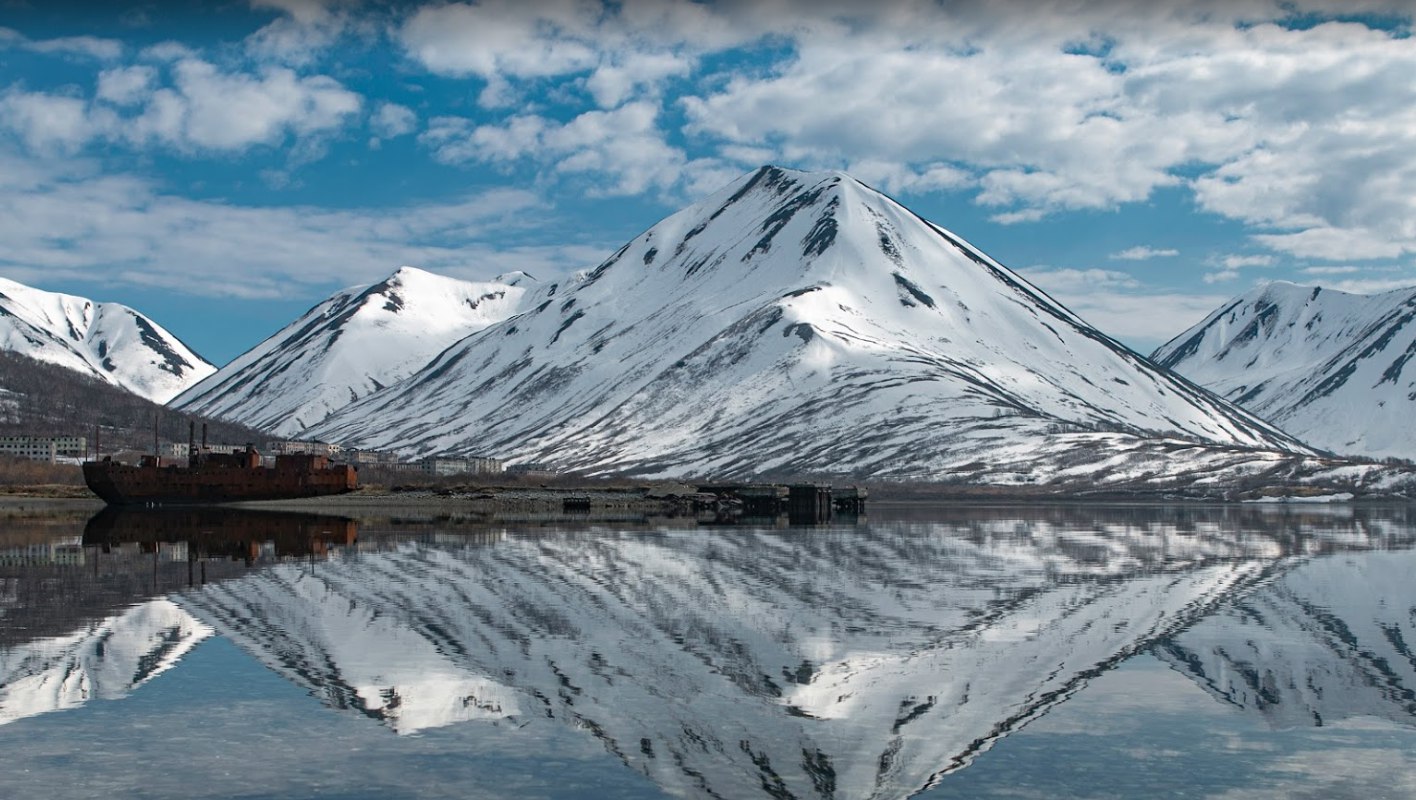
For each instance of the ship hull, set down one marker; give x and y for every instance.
(124, 485)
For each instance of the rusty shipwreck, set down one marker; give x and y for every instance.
(212, 477)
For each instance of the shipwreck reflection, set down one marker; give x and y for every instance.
(214, 532)
(863, 662)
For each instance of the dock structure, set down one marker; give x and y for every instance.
(851, 500)
(809, 503)
(803, 503)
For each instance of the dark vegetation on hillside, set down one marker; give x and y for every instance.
(39, 399)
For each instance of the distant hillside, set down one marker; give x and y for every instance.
(108, 341)
(1326, 366)
(43, 399)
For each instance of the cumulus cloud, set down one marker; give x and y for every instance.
(623, 144)
(46, 122)
(393, 120)
(619, 77)
(503, 38)
(126, 85)
(305, 29)
(202, 108)
(1302, 131)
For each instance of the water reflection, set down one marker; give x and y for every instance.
(1329, 640)
(865, 661)
(83, 610)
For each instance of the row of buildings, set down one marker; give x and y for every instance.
(384, 459)
(76, 448)
(45, 448)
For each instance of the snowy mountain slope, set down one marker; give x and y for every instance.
(754, 664)
(1327, 641)
(792, 322)
(104, 660)
(355, 342)
(105, 340)
(1326, 366)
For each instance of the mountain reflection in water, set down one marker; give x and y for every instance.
(864, 661)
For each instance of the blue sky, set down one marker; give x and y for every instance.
(222, 167)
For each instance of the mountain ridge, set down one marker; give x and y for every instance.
(1304, 357)
(765, 327)
(354, 342)
(109, 341)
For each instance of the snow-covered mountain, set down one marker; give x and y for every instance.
(1327, 641)
(355, 342)
(798, 322)
(108, 341)
(1326, 366)
(839, 663)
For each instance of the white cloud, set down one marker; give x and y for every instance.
(1121, 306)
(393, 120)
(126, 85)
(1373, 285)
(895, 177)
(1240, 261)
(1330, 270)
(231, 111)
(305, 29)
(64, 221)
(202, 109)
(623, 144)
(1221, 276)
(46, 122)
(503, 38)
(1143, 253)
(167, 51)
(621, 76)
(1066, 280)
(1337, 244)
(86, 46)
(1306, 130)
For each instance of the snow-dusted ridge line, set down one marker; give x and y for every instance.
(349, 345)
(107, 341)
(795, 322)
(1327, 366)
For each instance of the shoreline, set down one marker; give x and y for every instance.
(661, 499)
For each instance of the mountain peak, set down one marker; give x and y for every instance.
(790, 321)
(353, 343)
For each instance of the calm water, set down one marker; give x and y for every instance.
(941, 652)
